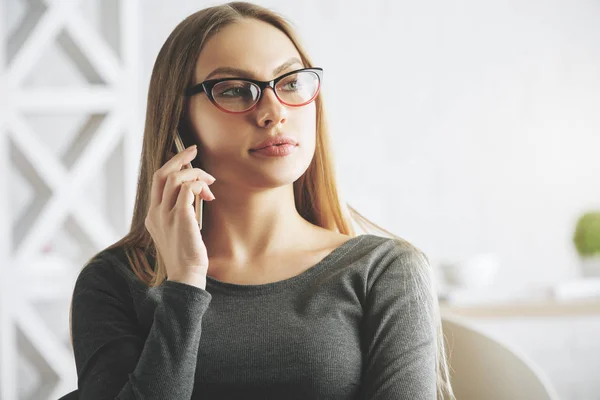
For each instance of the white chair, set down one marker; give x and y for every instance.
(485, 368)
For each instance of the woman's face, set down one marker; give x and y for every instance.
(224, 140)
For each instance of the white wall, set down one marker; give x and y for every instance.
(482, 118)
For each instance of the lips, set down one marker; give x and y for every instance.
(281, 150)
(275, 141)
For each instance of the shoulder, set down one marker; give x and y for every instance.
(385, 251)
(401, 283)
(394, 262)
(106, 270)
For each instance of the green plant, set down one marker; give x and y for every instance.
(587, 234)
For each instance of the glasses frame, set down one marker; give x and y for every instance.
(208, 85)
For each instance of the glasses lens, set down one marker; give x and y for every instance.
(298, 88)
(235, 95)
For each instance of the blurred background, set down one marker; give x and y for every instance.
(484, 124)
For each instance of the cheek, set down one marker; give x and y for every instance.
(306, 126)
(309, 114)
(219, 133)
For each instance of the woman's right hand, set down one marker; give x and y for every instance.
(171, 219)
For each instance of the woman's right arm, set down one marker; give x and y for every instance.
(113, 359)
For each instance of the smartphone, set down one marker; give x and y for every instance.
(198, 202)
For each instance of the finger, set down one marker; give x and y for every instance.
(160, 176)
(190, 174)
(189, 190)
(175, 180)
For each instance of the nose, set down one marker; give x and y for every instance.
(270, 110)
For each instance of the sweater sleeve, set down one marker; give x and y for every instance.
(400, 330)
(113, 360)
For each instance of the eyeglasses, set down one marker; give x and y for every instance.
(235, 95)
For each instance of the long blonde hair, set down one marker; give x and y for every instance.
(316, 195)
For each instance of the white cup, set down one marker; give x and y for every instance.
(478, 271)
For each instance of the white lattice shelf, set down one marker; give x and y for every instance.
(30, 272)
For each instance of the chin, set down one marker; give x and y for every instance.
(281, 174)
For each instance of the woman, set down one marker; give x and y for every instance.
(276, 297)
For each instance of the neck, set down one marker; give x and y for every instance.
(252, 224)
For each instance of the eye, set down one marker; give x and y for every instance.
(293, 85)
(234, 91)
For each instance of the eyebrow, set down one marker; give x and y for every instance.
(248, 74)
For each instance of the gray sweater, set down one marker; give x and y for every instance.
(353, 326)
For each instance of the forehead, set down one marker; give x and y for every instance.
(252, 45)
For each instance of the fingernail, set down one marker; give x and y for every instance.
(192, 147)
